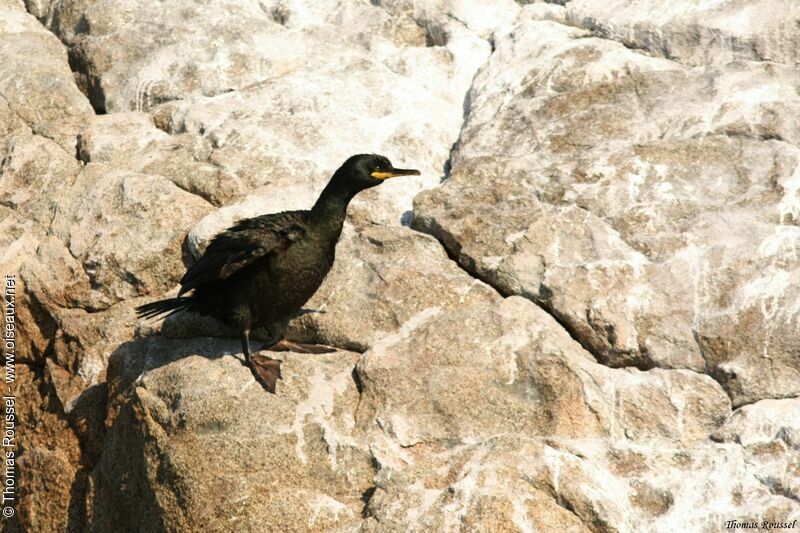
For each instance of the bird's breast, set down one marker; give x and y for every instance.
(295, 274)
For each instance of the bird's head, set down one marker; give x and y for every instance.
(368, 170)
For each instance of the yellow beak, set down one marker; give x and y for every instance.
(394, 172)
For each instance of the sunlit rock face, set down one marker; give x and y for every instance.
(582, 316)
(261, 97)
(649, 205)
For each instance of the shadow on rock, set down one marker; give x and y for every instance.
(190, 435)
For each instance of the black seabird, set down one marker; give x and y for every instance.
(261, 271)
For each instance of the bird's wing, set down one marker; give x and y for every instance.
(245, 242)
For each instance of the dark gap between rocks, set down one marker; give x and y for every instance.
(89, 85)
(79, 64)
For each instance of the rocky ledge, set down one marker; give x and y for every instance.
(583, 316)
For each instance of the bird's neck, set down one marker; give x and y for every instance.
(330, 210)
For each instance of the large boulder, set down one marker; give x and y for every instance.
(127, 230)
(384, 277)
(195, 443)
(648, 206)
(36, 83)
(488, 369)
(131, 141)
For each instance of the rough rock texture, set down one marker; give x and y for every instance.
(696, 33)
(768, 432)
(127, 229)
(234, 77)
(591, 324)
(178, 457)
(36, 85)
(518, 483)
(649, 206)
(523, 374)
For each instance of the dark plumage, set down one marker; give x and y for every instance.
(261, 271)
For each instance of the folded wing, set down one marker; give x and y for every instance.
(244, 243)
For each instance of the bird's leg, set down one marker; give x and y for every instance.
(266, 370)
(285, 345)
(246, 345)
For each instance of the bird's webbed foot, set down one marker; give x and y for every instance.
(266, 370)
(285, 345)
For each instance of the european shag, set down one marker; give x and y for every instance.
(261, 271)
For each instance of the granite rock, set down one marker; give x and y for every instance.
(195, 443)
(591, 324)
(648, 205)
(510, 482)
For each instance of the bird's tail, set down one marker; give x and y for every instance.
(169, 306)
